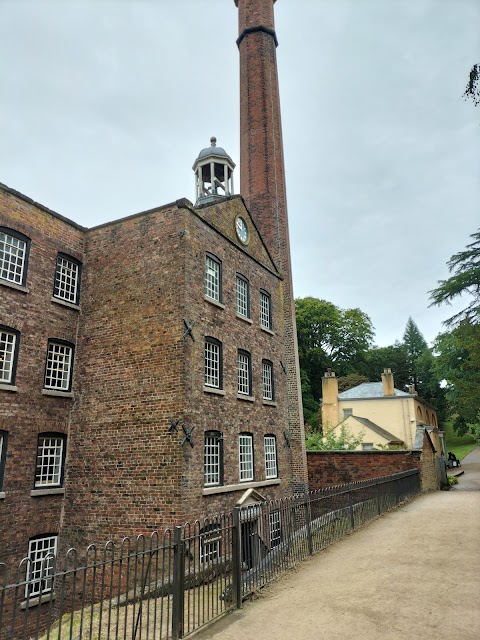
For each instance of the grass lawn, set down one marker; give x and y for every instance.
(459, 445)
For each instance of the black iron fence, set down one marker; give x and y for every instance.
(168, 585)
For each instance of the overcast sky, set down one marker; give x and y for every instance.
(105, 104)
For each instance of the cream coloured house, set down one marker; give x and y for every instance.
(385, 415)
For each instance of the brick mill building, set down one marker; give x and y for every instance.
(148, 366)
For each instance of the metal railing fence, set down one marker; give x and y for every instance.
(168, 585)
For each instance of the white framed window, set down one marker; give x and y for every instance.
(213, 459)
(3, 455)
(270, 445)
(42, 552)
(210, 543)
(58, 371)
(265, 310)
(347, 412)
(50, 460)
(245, 453)
(8, 354)
(367, 446)
(14, 249)
(213, 363)
(267, 380)
(213, 278)
(243, 297)
(67, 279)
(244, 373)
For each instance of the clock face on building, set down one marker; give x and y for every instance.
(242, 230)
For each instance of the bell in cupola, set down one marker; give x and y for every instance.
(213, 174)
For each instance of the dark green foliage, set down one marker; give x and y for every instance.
(394, 357)
(329, 337)
(352, 380)
(458, 362)
(415, 345)
(465, 280)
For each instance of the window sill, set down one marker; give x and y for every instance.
(242, 486)
(34, 602)
(12, 285)
(269, 331)
(57, 491)
(8, 387)
(64, 303)
(217, 392)
(270, 403)
(240, 396)
(57, 394)
(2, 495)
(214, 302)
(244, 318)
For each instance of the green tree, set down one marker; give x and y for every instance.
(465, 280)
(352, 380)
(344, 441)
(415, 345)
(394, 357)
(329, 337)
(458, 362)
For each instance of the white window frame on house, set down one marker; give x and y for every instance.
(212, 363)
(268, 389)
(275, 525)
(270, 449)
(244, 373)
(213, 278)
(213, 459)
(243, 296)
(9, 340)
(59, 365)
(265, 310)
(210, 543)
(50, 462)
(42, 551)
(367, 446)
(3, 455)
(14, 250)
(245, 457)
(67, 279)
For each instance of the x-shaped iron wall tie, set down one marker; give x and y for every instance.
(173, 428)
(187, 434)
(284, 368)
(287, 436)
(189, 329)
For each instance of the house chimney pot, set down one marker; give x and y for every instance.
(388, 385)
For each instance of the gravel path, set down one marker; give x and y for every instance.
(412, 574)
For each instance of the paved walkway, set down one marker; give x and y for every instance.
(412, 574)
(470, 479)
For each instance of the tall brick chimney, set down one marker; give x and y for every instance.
(262, 184)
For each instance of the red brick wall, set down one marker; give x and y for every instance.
(124, 474)
(327, 468)
(25, 413)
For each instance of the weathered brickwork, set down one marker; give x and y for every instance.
(262, 182)
(327, 468)
(26, 412)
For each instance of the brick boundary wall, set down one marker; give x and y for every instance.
(327, 468)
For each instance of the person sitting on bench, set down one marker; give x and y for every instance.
(453, 461)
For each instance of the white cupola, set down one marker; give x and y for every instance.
(213, 174)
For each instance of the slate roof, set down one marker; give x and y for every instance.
(374, 427)
(368, 390)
